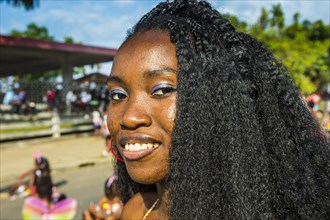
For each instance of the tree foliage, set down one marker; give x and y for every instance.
(27, 4)
(303, 47)
(33, 31)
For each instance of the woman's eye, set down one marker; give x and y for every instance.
(162, 90)
(117, 95)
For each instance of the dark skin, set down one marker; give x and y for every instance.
(142, 87)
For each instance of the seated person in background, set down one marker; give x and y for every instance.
(97, 121)
(16, 102)
(109, 206)
(47, 204)
(41, 168)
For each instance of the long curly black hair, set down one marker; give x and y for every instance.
(244, 145)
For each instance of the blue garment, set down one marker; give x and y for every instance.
(9, 96)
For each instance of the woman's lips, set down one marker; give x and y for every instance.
(138, 151)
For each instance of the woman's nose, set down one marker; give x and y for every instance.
(136, 114)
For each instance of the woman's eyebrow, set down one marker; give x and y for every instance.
(114, 79)
(154, 73)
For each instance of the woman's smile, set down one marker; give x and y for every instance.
(142, 87)
(138, 146)
(138, 151)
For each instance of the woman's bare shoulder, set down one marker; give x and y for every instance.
(136, 206)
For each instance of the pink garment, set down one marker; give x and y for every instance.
(313, 98)
(105, 129)
(37, 209)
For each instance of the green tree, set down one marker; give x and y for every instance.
(33, 31)
(27, 4)
(302, 47)
(277, 18)
(261, 25)
(263, 21)
(319, 31)
(305, 61)
(70, 40)
(292, 30)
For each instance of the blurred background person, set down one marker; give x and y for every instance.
(70, 100)
(106, 134)
(109, 205)
(51, 99)
(47, 203)
(22, 187)
(97, 121)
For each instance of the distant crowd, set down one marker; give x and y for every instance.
(72, 101)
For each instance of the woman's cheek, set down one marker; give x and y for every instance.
(111, 123)
(170, 115)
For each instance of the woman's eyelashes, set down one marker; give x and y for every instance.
(162, 90)
(117, 95)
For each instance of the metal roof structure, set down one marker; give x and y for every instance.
(93, 77)
(22, 55)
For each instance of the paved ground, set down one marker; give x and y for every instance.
(63, 153)
(85, 184)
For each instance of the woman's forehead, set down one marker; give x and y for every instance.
(151, 37)
(147, 51)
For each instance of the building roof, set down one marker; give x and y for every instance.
(23, 55)
(93, 77)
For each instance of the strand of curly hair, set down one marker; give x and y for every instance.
(245, 145)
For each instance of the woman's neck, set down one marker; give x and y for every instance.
(163, 203)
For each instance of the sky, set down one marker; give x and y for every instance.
(105, 22)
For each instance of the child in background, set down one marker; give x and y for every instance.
(109, 206)
(97, 121)
(48, 204)
(41, 168)
(106, 134)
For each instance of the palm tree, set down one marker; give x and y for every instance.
(264, 19)
(277, 19)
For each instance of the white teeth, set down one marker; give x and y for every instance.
(138, 146)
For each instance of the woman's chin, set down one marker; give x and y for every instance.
(146, 176)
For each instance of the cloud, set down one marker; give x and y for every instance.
(91, 25)
(249, 11)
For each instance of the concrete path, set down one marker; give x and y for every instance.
(63, 153)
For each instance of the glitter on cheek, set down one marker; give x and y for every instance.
(170, 113)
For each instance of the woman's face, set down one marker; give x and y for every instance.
(141, 114)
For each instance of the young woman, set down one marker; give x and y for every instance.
(209, 124)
